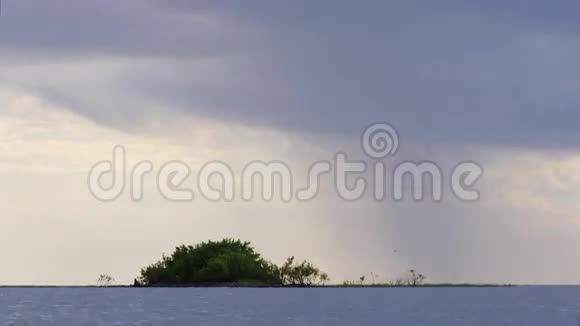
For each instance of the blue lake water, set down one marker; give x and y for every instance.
(542, 306)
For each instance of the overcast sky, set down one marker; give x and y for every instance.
(495, 82)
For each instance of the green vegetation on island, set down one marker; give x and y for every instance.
(227, 262)
(232, 262)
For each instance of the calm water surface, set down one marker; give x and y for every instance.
(545, 306)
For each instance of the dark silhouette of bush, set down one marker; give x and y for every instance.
(105, 280)
(303, 274)
(415, 279)
(213, 262)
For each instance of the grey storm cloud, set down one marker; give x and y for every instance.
(493, 73)
(65, 30)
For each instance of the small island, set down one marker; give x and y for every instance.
(227, 262)
(234, 263)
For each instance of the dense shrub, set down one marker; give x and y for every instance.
(302, 274)
(225, 261)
